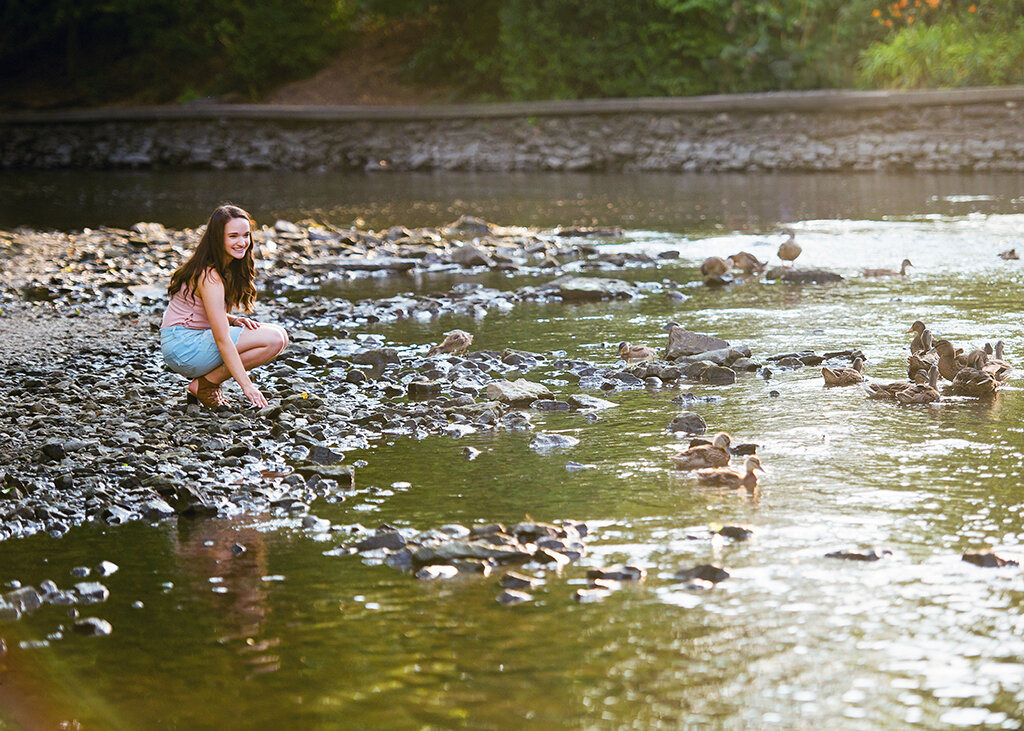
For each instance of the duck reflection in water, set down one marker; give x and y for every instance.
(227, 561)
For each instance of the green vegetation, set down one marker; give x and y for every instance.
(148, 51)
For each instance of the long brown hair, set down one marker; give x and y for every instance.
(237, 274)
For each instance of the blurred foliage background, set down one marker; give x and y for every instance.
(94, 52)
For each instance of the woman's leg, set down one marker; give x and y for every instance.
(255, 347)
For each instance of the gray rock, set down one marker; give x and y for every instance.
(91, 592)
(513, 580)
(519, 392)
(590, 596)
(442, 571)
(875, 554)
(688, 421)
(446, 552)
(470, 255)
(802, 276)
(735, 532)
(547, 441)
(92, 627)
(155, 509)
(26, 599)
(682, 342)
(510, 597)
(592, 289)
(705, 572)
(106, 568)
(585, 401)
(618, 573)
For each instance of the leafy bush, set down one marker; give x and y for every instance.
(950, 53)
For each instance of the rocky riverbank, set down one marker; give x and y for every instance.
(95, 429)
(938, 130)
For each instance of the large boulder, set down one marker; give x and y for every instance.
(518, 393)
(683, 342)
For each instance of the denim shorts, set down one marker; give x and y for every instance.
(192, 352)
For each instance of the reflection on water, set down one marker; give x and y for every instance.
(791, 640)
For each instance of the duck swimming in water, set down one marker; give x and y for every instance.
(702, 456)
(725, 477)
(634, 353)
(844, 376)
(457, 341)
(921, 393)
(889, 272)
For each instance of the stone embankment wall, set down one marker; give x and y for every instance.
(966, 129)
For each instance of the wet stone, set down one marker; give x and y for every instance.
(510, 597)
(705, 572)
(618, 573)
(106, 568)
(688, 421)
(735, 532)
(874, 554)
(92, 627)
(430, 573)
(591, 596)
(513, 580)
(91, 592)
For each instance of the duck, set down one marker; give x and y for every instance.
(920, 393)
(975, 382)
(1009, 254)
(748, 263)
(888, 391)
(889, 272)
(996, 365)
(701, 456)
(917, 345)
(789, 249)
(715, 271)
(456, 341)
(632, 353)
(725, 477)
(950, 360)
(844, 376)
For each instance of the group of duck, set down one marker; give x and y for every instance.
(709, 461)
(978, 373)
(717, 270)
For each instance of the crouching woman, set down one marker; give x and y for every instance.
(200, 337)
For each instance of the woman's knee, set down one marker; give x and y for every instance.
(278, 338)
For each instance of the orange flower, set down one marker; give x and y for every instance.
(910, 19)
(888, 23)
(903, 3)
(875, 13)
(932, 3)
(972, 9)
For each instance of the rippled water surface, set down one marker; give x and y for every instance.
(288, 637)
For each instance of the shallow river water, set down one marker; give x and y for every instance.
(286, 636)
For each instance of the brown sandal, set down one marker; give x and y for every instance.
(207, 393)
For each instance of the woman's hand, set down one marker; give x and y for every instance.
(245, 322)
(255, 396)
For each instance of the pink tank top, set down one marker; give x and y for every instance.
(184, 309)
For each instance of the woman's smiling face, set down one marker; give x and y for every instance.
(237, 237)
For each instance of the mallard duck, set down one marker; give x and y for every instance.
(888, 391)
(1009, 254)
(889, 272)
(917, 345)
(789, 249)
(632, 353)
(747, 263)
(715, 266)
(951, 361)
(921, 393)
(701, 456)
(996, 365)
(971, 381)
(457, 341)
(725, 477)
(844, 376)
